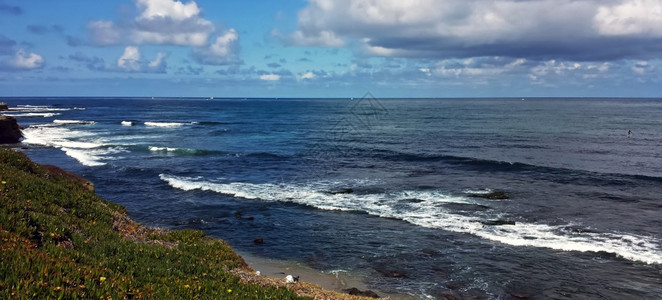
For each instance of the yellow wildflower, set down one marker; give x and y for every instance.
(102, 279)
(186, 286)
(4, 182)
(229, 291)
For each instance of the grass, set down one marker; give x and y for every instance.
(60, 240)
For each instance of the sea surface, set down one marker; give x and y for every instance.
(393, 191)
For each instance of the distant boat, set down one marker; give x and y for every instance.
(211, 98)
(523, 99)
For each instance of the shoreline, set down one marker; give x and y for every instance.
(338, 281)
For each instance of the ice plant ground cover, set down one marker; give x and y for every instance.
(60, 240)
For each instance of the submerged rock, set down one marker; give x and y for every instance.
(340, 191)
(498, 222)
(494, 195)
(392, 273)
(356, 292)
(10, 132)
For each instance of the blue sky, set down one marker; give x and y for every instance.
(326, 48)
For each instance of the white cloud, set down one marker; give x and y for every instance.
(168, 9)
(26, 61)
(475, 67)
(270, 77)
(159, 22)
(426, 71)
(307, 75)
(554, 67)
(640, 67)
(224, 50)
(633, 17)
(130, 59)
(159, 61)
(224, 44)
(581, 30)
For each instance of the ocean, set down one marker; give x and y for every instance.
(476, 198)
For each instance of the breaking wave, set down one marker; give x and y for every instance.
(430, 209)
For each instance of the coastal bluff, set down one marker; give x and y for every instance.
(10, 132)
(61, 240)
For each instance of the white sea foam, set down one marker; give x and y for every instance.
(84, 157)
(157, 149)
(81, 145)
(32, 114)
(39, 108)
(73, 122)
(426, 211)
(127, 123)
(478, 192)
(165, 124)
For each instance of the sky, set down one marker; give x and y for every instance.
(326, 48)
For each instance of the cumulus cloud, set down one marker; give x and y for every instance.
(270, 77)
(307, 75)
(534, 29)
(23, 60)
(641, 67)
(170, 22)
(131, 61)
(223, 51)
(476, 67)
(159, 22)
(630, 18)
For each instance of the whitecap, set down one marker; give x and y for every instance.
(83, 146)
(157, 149)
(164, 124)
(33, 114)
(127, 123)
(84, 157)
(73, 122)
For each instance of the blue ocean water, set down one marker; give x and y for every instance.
(386, 188)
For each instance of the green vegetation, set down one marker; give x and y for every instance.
(60, 240)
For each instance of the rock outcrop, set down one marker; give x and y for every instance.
(356, 292)
(10, 133)
(3, 106)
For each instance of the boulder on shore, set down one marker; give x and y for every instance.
(356, 292)
(3, 106)
(10, 133)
